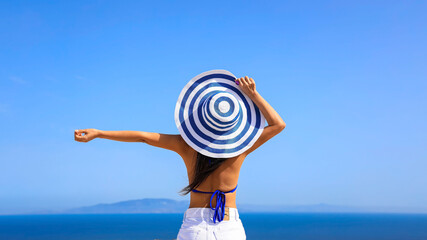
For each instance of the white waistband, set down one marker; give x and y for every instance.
(207, 214)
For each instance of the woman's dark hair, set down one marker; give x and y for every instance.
(203, 168)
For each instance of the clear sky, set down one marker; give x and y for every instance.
(348, 77)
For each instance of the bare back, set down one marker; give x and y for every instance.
(224, 178)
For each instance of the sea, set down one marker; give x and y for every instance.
(295, 226)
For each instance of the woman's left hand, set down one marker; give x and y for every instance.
(90, 134)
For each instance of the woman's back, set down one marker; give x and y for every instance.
(224, 178)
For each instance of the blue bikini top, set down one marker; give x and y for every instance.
(220, 202)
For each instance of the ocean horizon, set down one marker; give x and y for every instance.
(165, 205)
(296, 226)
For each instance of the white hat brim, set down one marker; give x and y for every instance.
(196, 127)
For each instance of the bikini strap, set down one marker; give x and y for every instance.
(197, 191)
(220, 203)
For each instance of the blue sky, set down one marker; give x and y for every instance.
(348, 78)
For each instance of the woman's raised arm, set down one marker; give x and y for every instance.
(172, 142)
(275, 122)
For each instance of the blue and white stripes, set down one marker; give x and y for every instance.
(215, 117)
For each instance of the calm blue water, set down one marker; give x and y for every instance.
(295, 226)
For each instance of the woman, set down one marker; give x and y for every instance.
(212, 213)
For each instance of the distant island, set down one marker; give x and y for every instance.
(163, 205)
(146, 205)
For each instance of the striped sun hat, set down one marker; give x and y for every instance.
(215, 117)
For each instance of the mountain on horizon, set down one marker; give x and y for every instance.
(164, 205)
(146, 205)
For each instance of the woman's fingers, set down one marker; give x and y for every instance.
(247, 85)
(78, 135)
(89, 134)
(247, 79)
(242, 81)
(79, 132)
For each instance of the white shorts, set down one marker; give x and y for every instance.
(198, 224)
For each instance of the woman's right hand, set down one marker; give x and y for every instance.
(247, 85)
(90, 134)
